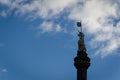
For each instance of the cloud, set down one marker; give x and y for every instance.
(101, 18)
(49, 27)
(5, 2)
(35, 8)
(46, 27)
(3, 14)
(58, 28)
(4, 70)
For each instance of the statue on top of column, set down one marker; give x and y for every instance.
(81, 45)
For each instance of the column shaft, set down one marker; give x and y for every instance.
(81, 74)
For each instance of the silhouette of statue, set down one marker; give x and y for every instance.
(81, 61)
(81, 45)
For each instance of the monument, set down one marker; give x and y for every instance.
(81, 61)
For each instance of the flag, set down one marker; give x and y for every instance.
(79, 24)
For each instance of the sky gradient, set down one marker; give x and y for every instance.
(38, 38)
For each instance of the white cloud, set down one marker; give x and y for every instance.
(5, 2)
(58, 28)
(46, 27)
(98, 17)
(4, 70)
(94, 14)
(49, 27)
(3, 14)
(43, 8)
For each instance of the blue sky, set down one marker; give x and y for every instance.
(38, 38)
